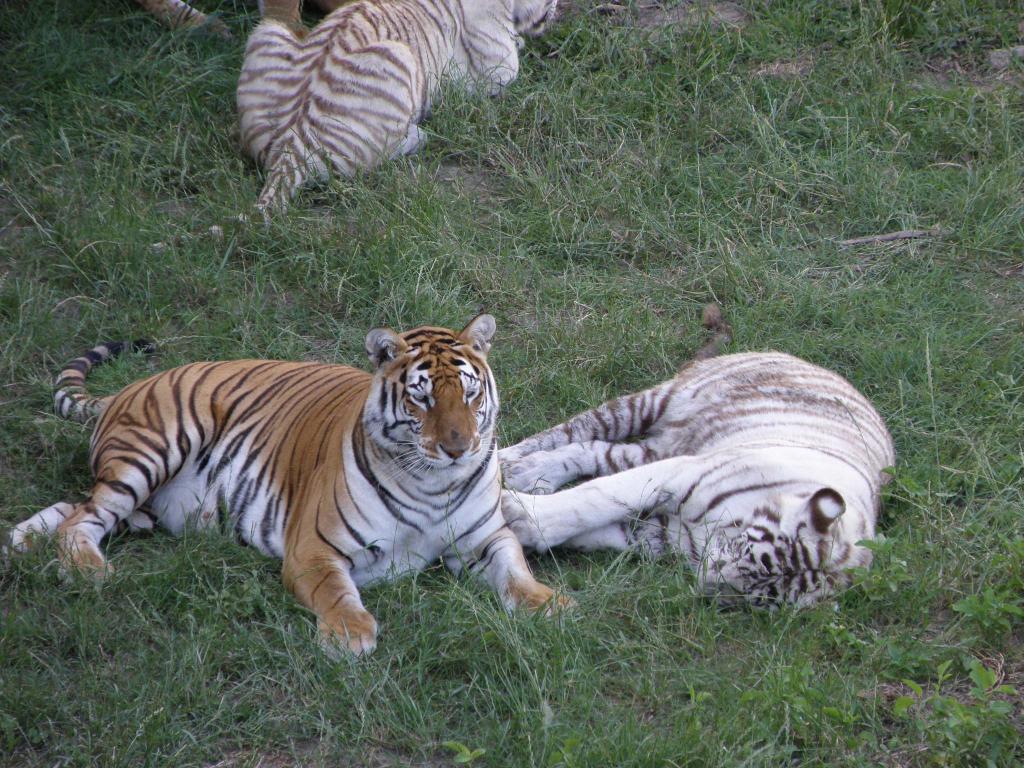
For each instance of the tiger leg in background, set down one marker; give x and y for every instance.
(591, 443)
(285, 11)
(603, 513)
(176, 14)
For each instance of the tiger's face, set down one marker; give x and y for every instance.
(531, 17)
(790, 553)
(433, 403)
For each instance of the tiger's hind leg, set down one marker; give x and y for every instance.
(42, 524)
(80, 534)
(544, 472)
(126, 477)
(413, 142)
(542, 522)
(615, 421)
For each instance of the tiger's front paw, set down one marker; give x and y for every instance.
(519, 520)
(538, 597)
(530, 476)
(356, 634)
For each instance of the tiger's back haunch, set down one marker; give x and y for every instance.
(347, 476)
(762, 469)
(350, 93)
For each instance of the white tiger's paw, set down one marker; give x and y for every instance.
(412, 143)
(531, 476)
(510, 455)
(520, 521)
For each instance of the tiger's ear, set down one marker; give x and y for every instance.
(479, 333)
(826, 506)
(383, 344)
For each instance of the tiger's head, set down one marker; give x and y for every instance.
(531, 17)
(432, 403)
(792, 551)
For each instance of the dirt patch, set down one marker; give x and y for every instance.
(12, 226)
(786, 69)
(1003, 58)
(653, 16)
(662, 15)
(308, 755)
(949, 71)
(472, 181)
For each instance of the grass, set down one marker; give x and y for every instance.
(626, 178)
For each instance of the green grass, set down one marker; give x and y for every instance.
(625, 179)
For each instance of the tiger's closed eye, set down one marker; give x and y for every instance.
(419, 399)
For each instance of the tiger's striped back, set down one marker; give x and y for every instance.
(350, 93)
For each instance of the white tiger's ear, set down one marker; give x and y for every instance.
(826, 507)
(479, 333)
(383, 344)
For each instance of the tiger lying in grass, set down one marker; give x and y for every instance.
(349, 93)
(760, 468)
(348, 477)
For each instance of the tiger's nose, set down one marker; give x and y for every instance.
(455, 445)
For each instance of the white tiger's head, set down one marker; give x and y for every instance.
(792, 551)
(432, 403)
(531, 17)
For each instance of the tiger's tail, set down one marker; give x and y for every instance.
(281, 185)
(721, 332)
(70, 400)
(178, 14)
(286, 11)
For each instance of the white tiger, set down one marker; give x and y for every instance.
(349, 93)
(762, 469)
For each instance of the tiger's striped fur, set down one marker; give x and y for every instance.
(178, 14)
(350, 93)
(762, 469)
(348, 477)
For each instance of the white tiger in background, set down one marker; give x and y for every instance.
(762, 469)
(350, 93)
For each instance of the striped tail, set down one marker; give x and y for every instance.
(283, 181)
(70, 400)
(712, 320)
(287, 11)
(177, 14)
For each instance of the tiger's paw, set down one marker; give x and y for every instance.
(356, 635)
(559, 604)
(537, 597)
(519, 520)
(79, 556)
(530, 476)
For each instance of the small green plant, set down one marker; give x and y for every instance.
(973, 728)
(994, 611)
(463, 754)
(567, 755)
(889, 574)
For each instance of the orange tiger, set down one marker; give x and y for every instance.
(348, 477)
